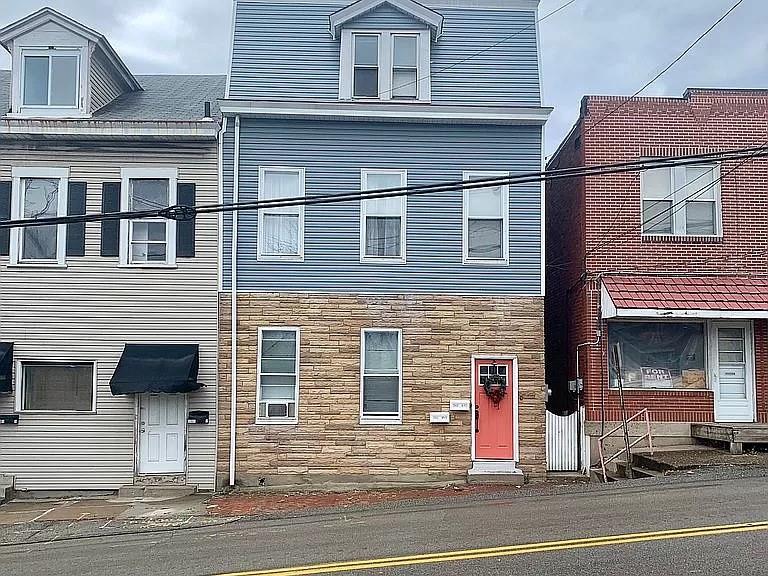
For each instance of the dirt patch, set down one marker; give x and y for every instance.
(266, 504)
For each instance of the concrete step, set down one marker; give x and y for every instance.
(596, 475)
(167, 492)
(638, 470)
(6, 488)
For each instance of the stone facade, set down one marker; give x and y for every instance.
(440, 335)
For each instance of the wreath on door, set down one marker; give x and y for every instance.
(495, 387)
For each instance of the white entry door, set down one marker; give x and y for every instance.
(162, 430)
(733, 372)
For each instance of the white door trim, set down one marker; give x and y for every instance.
(138, 444)
(515, 403)
(714, 367)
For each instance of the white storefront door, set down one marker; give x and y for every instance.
(733, 373)
(162, 430)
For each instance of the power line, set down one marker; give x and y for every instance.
(481, 52)
(666, 68)
(182, 213)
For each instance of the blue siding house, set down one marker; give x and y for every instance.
(394, 339)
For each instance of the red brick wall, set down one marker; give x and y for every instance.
(703, 121)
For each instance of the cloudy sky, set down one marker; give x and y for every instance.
(592, 47)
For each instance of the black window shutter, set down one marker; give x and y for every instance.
(76, 207)
(5, 214)
(110, 229)
(185, 229)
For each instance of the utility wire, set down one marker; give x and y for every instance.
(481, 52)
(182, 213)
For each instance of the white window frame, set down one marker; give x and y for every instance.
(480, 175)
(18, 175)
(21, 387)
(260, 255)
(680, 190)
(378, 418)
(386, 72)
(48, 110)
(364, 173)
(278, 420)
(136, 173)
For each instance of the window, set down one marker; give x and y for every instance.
(39, 193)
(659, 354)
(148, 241)
(486, 221)
(366, 78)
(682, 201)
(383, 220)
(405, 66)
(51, 78)
(278, 377)
(385, 65)
(382, 385)
(281, 230)
(57, 387)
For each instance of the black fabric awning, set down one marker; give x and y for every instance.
(168, 368)
(6, 367)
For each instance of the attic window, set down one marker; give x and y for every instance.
(50, 78)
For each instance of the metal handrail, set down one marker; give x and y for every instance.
(601, 440)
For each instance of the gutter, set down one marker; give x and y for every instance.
(17, 128)
(233, 308)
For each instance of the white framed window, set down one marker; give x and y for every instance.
(51, 79)
(278, 375)
(148, 242)
(281, 229)
(385, 65)
(681, 201)
(383, 220)
(486, 221)
(39, 193)
(56, 386)
(381, 376)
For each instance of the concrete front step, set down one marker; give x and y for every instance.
(167, 492)
(6, 488)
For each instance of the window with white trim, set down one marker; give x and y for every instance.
(50, 78)
(148, 241)
(383, 220)
(57, 387)
(681, 200)
(281, 229)
(278, 376)
(39, 193)
(486, 220)
(385, 65)
(381, 386)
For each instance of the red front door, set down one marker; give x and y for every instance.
(494, 421)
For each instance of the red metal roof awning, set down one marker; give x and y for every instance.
(685, 297)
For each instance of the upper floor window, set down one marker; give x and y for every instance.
(39, 193)
(385, 65)
(148, 241)
(486, 221)
(50, 78)
(681, 201)
(281, 229)
(383, 220)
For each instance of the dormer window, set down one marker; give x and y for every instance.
(385, 65)
(50, 78)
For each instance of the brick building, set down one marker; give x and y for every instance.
(670, 263)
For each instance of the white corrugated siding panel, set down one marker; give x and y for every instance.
(104, 86)
(89, 310)
(562, 442)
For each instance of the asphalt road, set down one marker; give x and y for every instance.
(554, 520)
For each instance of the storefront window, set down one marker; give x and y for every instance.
(660, 354)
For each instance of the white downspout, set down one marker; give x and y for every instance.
(233, 307)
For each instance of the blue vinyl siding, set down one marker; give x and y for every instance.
(333, 153)
(285, 52)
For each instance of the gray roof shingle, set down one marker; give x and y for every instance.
(166, 97)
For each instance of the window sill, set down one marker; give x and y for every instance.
(53, 412)
(681, 239)
(262, 258)
(392, 101)
(149, 266)
(656, 390)
(382, 421)
(37, 265)
(501, 262)
(374, 260)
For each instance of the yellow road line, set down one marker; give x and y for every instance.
(500, 551)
